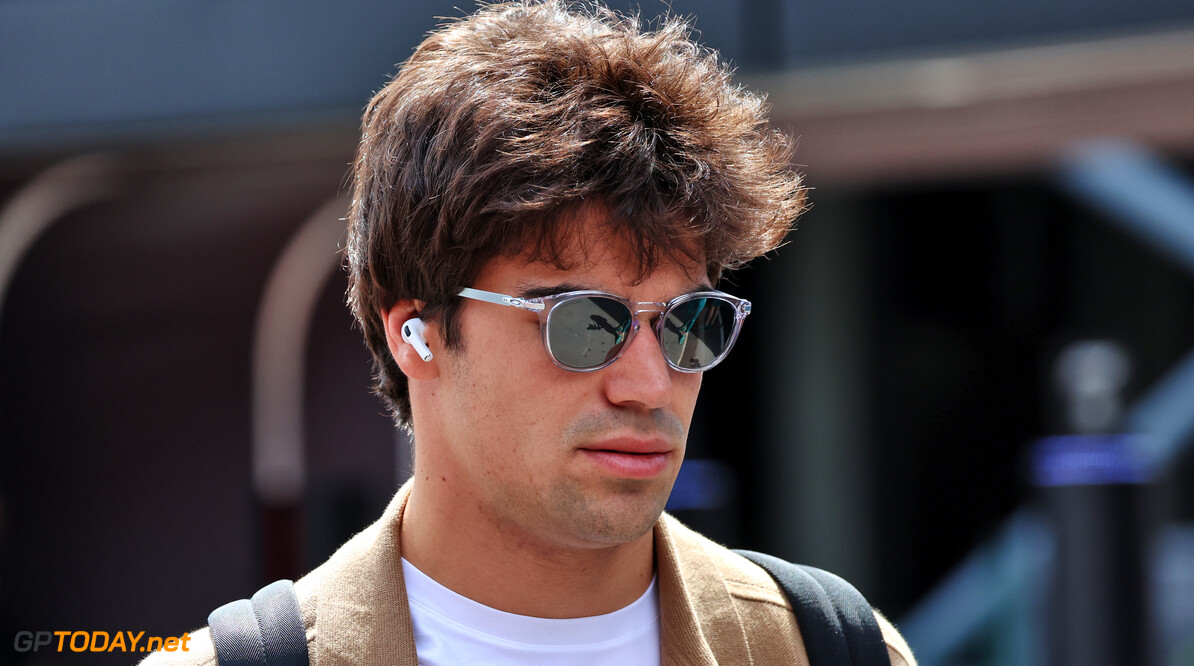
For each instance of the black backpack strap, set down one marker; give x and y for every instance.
(267, 630)
(837, 623)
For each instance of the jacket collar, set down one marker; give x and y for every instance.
(700, 623)
(363, 615)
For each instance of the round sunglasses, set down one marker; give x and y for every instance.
(585, 331)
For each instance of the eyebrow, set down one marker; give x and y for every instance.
(540, 291)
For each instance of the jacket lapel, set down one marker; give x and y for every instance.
(363, 615)
(700, 623)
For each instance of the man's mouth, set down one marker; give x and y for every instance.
(630, 458)
(631, 445)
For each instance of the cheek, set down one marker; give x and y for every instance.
(513, 405)
(688, 387)
(686, 390)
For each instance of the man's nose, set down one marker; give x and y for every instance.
(641, 374)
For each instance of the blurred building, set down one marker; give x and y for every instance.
(184, 405)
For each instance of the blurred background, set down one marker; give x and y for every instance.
(968, 385)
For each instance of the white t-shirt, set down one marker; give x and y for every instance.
(451, 629)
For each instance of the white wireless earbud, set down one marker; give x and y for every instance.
(412, 332)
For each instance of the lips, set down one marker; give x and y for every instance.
(630, 458)
(630, 445)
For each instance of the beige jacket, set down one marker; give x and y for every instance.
(717, 607)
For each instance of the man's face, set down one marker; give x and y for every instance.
(571, 459)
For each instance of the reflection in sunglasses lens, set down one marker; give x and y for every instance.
(588, 331)
(696, 332)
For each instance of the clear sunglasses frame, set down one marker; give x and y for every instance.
(543, 306)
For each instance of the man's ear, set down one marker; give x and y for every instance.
(409, 359)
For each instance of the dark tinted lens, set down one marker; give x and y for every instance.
(588, 331)
(697, 331)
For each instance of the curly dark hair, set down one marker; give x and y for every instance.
(503, 126)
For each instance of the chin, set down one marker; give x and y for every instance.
(620, 520)
(610, 512)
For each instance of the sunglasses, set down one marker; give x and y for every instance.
(585, 331)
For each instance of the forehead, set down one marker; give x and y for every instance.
(589, 242)
(606, 269)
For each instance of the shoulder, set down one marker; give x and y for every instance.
(201, 651)
(766, 615)
(349, 579)
(897, 648)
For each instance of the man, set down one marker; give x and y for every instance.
(543, 203)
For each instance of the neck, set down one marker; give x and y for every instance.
(508, 568)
